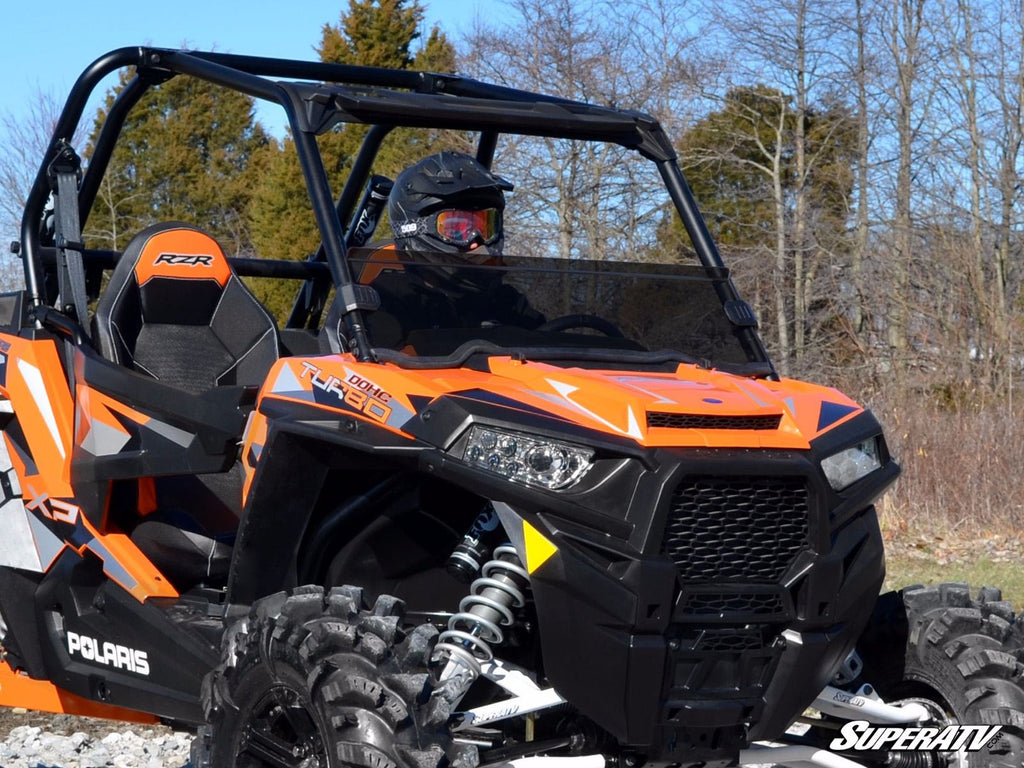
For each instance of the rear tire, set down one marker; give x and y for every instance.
(956, 655)
(311, 679)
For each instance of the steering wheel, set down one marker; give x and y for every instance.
(565, 322)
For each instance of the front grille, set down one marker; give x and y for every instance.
(734, 639)
(716, 604)
(736, 529)
(705, 421)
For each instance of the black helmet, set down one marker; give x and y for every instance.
(448, 203)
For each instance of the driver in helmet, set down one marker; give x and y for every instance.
(446, 219)
(448, 204)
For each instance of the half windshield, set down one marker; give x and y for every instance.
(438, 310)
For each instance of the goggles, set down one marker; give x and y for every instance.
(460, 227)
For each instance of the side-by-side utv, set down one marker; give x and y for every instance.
(610, 536)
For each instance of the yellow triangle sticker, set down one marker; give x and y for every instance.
(538, 548)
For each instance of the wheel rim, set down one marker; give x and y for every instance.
(281, 731)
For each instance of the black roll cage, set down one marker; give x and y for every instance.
(315, 97)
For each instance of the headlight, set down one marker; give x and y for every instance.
(851, 464)
(529, 459)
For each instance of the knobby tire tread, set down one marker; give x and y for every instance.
(367, 679)
(966, 649)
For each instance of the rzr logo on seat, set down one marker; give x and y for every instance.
(188, 259)
(108, 654)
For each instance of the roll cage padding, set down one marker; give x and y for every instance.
(175, 310)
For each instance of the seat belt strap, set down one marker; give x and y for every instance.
(65, 174)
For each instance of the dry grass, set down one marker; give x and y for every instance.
(962, 471)
(957, 511)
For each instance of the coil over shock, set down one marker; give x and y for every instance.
(466, 644)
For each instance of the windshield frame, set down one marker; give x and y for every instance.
(315, 96)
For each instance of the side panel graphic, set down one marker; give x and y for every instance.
(38, 510)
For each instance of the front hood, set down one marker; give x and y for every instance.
(688, 407)
(692, 406)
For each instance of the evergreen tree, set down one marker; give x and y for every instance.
(724, 155)
(741, 165)
(187, 152)
(377, 33)
(436, 55)
(727, 157)
(374, 33)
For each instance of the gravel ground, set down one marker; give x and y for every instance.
(39, 740)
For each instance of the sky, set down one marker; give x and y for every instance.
(45, 47)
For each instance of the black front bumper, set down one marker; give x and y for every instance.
(747, 593)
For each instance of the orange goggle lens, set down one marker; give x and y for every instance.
(460, 227)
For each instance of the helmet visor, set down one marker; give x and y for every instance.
(461, 227)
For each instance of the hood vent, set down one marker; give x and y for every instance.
(708, 421)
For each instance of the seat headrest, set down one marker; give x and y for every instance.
(181, 253)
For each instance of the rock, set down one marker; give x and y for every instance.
(79, 740)
(73, 742)
(51, 742)
(95, 757)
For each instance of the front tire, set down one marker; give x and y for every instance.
(956, 655)
(310, 679)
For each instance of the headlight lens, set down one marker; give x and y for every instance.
(529, 459)
(848, 466)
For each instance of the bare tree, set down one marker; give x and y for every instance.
(26, 135)
(973, 180)
(800, 50)
(865, 76)
(904, 27)
(573, 199)
(1007, 52)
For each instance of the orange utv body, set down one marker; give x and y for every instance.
(699, 534)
